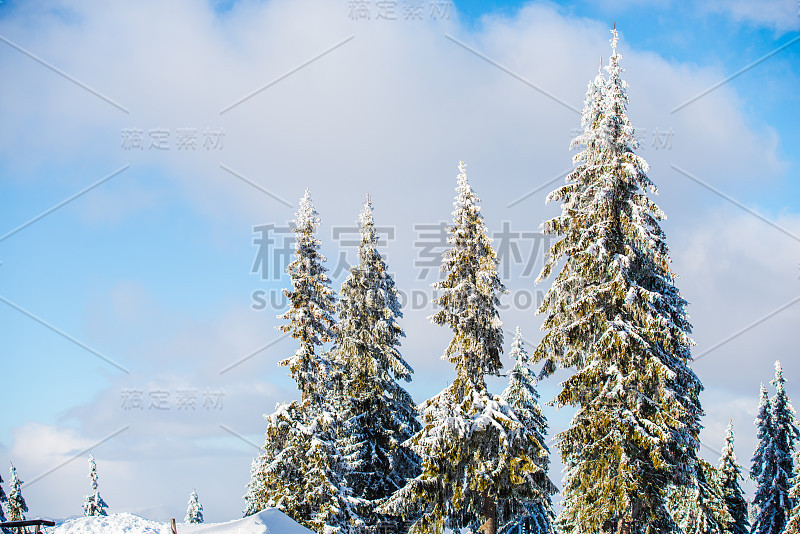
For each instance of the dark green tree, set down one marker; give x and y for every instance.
(774, 472)
(475, 452)
(377, 414)
(614, 314)
(729, 475)
(301, 471)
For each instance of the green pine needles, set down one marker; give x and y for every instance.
(476, 454)
(614, 314)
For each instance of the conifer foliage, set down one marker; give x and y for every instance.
(730, 472)
(764, 434)
(532, 517)
(194, 510)
(793, 526)
(311, 304)
(93, 504)
(773, 464)
(16, 502)
(377, 414)
(301, 471)
(3, 501)
(476, 455)
(700, 508)
(614, 314)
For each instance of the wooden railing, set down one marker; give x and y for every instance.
(22, 526)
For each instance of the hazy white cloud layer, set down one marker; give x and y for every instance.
(780, 15)
(390, 111)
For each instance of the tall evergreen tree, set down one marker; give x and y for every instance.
(793, 526)
(301, 471)
(476, 454)
(776, 463)
(276, 476)
(194, 510)
(3, 501)
(614, 314)
(700, 508)
(378, 414)
(93, 504)
(729, 475)
(764, 434)
(311, 306)
(532, 517)
(16, 502)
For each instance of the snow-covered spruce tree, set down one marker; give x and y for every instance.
(533, 517)
(614, 314)
(475, 452)
(775, 450)
(764, 433)
(701, 508)
(16, 502)
(275, 475)
(793, 526)
(311, 306)
(301, 471)
(194, 510)
(93, 504)
(256, 496)
(377, 414)
(3, 501)
(729, 475)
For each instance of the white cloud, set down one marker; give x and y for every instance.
(780, 15)
(391, 111)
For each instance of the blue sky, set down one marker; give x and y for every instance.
(151, 268)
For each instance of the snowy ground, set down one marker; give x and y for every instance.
(270, 521)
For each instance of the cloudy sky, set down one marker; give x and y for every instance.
(146, 149)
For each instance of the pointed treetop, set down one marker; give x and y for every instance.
(729, 438)
(778, 381)
(306, 216)
(614, 40)
(466, 202)
(366, 215)
(462, 174)
(518, 349)
(727, 450)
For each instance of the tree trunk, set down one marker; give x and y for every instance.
(490, 514)
(622, 526)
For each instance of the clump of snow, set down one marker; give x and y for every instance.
(112, 524)
(269, 521)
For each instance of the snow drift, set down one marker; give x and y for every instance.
(269, 521)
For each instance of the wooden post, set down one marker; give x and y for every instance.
(173, 526)
(490, 515)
